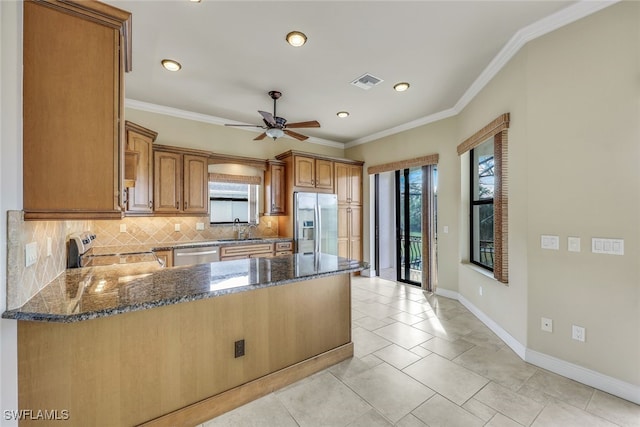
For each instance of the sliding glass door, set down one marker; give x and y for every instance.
(409, 225)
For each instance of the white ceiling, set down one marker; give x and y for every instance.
(233, 52)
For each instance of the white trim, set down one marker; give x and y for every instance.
(205, 118)
(611, 385)
(586, 376)
(505, 336)
(539, 28)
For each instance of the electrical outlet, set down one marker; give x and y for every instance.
(176, 227)
(480, 290)
(446, 229)
(31, 253)
(546, 324)
(239, 348)
(123, 228)
(578, 333)
(573, 243)
(268, 224)
(49, 247)
(199, 226)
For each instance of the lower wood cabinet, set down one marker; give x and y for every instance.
(255, 250)
(350, 232)
(166, 257)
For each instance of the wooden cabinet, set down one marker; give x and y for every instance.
(315, 173)
(350, 232)
(246, 251)
(74, 59)
(138, 175)
(348, 179)
(166, 257)
(275, 188)
(283, 248)
(180, 183)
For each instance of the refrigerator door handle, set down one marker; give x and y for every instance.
(317, 227)
(319, 237)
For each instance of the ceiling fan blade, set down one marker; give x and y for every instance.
(309, 124)
(268, 117)
(295, 135)
(252, 126)
(260, 137)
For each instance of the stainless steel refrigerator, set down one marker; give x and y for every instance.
(316, 223)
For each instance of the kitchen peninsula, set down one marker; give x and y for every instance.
(138, 344)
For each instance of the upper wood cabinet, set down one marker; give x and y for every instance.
(310, 173)
(348, 180)
(275, 187)
(180, 183)
(138, 176)
(74, 58)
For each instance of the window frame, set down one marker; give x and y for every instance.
(473, 173)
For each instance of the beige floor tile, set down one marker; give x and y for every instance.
(354, 366)
(410, 421)
(434, 326)
(371, 419)
(408, 306)
(620, 411)
(366, 342)
(500, 420)
(502, 366)
(264, 412)
(536, 394)
(355, 314)
(407, 318)
(479, 409)
(390, 391)
(561, 388)
(485, 339)
(369, 323)
(420, 351)
(453, 381)
(377, 310)
(517, 407)
(448, 349)
(404, 335)
(440, 412)
(560, 414)
(324, 401)
(397, 356)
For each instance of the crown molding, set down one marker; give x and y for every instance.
(539, 28)
(205, 118)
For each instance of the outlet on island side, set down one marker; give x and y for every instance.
(239, 348)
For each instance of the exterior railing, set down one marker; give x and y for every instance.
(486, 252)
(415, 253)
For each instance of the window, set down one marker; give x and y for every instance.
(230, 200)
(488, 196)
(482, 211)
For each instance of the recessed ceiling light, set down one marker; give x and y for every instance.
(296, 38)
(171, 65)
(342, 114)
(401, 87)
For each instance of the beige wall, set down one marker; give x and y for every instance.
(574, 146)
(219, 139)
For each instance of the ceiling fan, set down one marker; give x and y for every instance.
(277, 126)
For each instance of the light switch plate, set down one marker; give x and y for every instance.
(123, 228)
(546, 324)
(31, 253)
(573, 244)
(550, 242)
(446, 229)
(176, 227)
(607, 246)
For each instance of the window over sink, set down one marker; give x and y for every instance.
(229, 200)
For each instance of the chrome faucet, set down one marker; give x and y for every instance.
(236, 228)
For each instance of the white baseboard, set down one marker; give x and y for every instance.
(614, 386)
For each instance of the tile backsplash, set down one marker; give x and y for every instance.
(24, 282)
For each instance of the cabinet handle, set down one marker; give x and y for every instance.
(185, 205)
(177, 205)
(150, 204)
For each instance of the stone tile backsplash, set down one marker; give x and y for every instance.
(24, 282)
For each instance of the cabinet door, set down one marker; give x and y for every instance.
(342, 182)
(167, 181)
(166, 257)
(355, 185)
(355, 232)
(196, 188)
(304, 172)
(324, 174)
(140, 197)
(275, 187)
(72, 150)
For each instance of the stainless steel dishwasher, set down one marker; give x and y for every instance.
(199, 255)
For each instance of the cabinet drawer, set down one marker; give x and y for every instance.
(282, 253)
(284, 246)
(246, 250)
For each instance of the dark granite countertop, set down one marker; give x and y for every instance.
(92, 292)
(133, 249)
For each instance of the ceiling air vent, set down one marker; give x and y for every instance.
(366, 81)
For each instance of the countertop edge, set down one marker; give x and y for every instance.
(17, 314)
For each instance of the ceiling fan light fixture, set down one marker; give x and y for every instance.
(274, 133)
(342, 114)
(171, 65)
(296, 38)
(401, 87)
